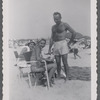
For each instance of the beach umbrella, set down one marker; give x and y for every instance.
(78, 36)
(87, 37)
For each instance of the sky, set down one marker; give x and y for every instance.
(29, 19)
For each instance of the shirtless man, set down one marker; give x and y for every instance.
(58, 38)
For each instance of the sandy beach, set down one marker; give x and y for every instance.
(74, 89)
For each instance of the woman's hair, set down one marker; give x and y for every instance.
(42, 40)
(30, 43)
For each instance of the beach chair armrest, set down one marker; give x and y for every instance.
(31, 61)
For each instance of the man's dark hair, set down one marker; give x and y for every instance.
(57, 13)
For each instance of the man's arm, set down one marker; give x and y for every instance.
(51, 42)
(72, 31)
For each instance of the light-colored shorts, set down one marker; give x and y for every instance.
(61, 47)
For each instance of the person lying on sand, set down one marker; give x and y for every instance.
(74, 49)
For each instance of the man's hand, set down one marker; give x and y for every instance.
(70, 42)
(50, 45)
(49, 52)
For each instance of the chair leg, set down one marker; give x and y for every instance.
(35, 76)
(29, 77)
(47, 80)
(35, 83)
(46, 72)
(21, 73)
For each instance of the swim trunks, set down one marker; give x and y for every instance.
(61, 47)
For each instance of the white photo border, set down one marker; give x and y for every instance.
(93, 50)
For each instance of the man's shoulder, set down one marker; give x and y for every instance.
(64, 23)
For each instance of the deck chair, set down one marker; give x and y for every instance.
(44, 73)
(24, 66)
(27, 56)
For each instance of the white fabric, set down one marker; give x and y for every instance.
(61, 47)
(22, 64)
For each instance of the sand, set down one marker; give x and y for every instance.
(71, 90)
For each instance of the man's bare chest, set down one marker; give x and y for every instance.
(59, 29)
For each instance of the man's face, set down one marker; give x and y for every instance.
(57, 19)
(42, 44)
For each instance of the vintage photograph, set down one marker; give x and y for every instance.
(49, 50)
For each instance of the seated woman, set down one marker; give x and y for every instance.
(27, 48)
(39, 65)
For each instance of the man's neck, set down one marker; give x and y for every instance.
(58, 23)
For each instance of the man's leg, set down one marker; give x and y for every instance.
(58, 62)
(66, 67)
